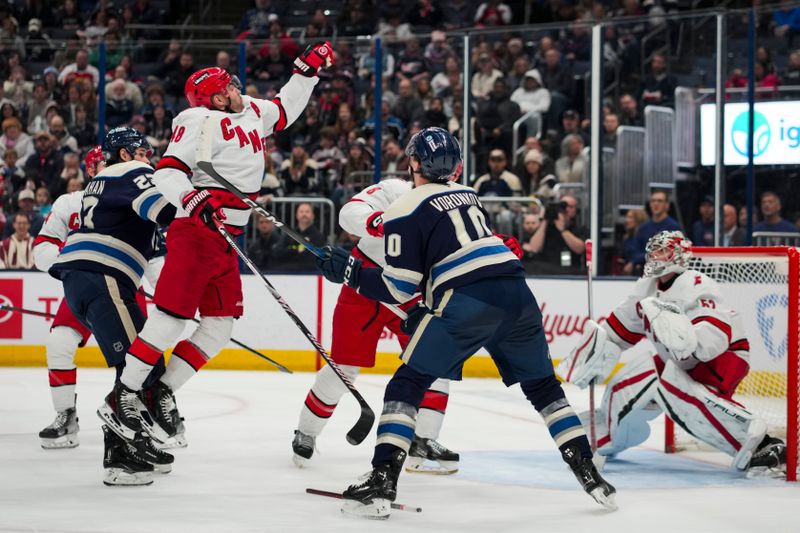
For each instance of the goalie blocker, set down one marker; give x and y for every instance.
(701, 358)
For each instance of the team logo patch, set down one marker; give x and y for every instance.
(10, 322)
(773, 332)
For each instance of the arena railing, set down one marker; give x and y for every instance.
(776, 238)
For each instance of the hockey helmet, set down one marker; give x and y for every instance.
(207, 82)
(438, 152)
(127, 138)
(665, 252)
(93, 158)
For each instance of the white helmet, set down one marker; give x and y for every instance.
(667, 251)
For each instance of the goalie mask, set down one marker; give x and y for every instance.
(668, 251)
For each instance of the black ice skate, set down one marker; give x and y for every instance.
(148, 451)
(430, 450)
(303, 448)
(373, 495)
(768, 459)
(122, 463)
(124, 413)
(589, 478)
(160, 402)
(63, 432)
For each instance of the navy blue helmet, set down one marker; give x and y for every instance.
(127, 138)
(438, 152)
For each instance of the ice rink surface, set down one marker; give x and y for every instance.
(237, 473)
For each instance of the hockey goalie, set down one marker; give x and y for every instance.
(701, 356)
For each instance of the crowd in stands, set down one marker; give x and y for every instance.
(49, 105)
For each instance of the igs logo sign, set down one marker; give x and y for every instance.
(740, 130)
(10, 322)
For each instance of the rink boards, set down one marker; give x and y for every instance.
(266, 327)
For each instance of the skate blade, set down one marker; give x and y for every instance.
(608, 501)
(299, 461)
(379, 509)
(162, 469)
(119, 477)
(108, 416)
(152, 428)
(435, 469)
(178, 441)
(766, 472)
(60, 443)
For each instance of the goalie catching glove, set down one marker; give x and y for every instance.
(592, 359)
(670, 327)
(316, 56)
(201, 207)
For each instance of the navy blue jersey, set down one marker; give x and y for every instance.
(120, 212)
(437, 237)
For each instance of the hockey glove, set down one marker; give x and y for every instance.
(512, 243)
(314, 57)
(415, 316)
(670, 327)
(338, 266)
(201, 207)
(375, 224)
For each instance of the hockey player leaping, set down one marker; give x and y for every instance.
(357, 325)
(201, 270)
(438, 241)
(101, 266)
(701, 358)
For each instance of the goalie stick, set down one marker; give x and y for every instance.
(365, 421)
(209, 169)
(242, 345)
(338, 495)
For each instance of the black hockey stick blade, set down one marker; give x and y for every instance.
(363, 426)
(337, 495)
(208, 168)
(367, 418)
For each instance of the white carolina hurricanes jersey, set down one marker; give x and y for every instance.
(235, 144)
(63, 218)
(353, 216)
(718, 327)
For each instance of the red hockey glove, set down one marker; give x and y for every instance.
(375, 224)
(316, 56)
(201, 207)
(512, 243)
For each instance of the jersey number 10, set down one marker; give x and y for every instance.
(393, 247)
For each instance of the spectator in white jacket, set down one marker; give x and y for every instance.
(532, 95)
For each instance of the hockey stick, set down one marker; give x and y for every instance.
(13, 309)
(243, 346)
(364, 423)
(592, 424)
(208, 168)
(337, 495)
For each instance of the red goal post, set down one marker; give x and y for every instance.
(763, 285)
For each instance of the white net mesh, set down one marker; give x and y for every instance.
(758, 287)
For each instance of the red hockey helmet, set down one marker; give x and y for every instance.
(205, 83)
(93, 158)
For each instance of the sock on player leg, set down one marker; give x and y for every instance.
(60, 348)
(159, 332)
(211, 335)
(565, 427)
(432, 409)
(322, 399)
(396, 427)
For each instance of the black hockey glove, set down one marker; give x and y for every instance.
(415, 316)
(339, 266)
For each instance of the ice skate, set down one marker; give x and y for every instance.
(63, 432)
(146, 449)
(121, 411)
(123, 465)
(769, 459)
(591, 481)
(303, 447)
(429, 450)
(163, 409)
(375, 491)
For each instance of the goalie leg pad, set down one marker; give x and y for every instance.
(592, 358)
(719, 422)
(626, 407)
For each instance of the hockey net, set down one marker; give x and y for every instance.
(763, 285)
